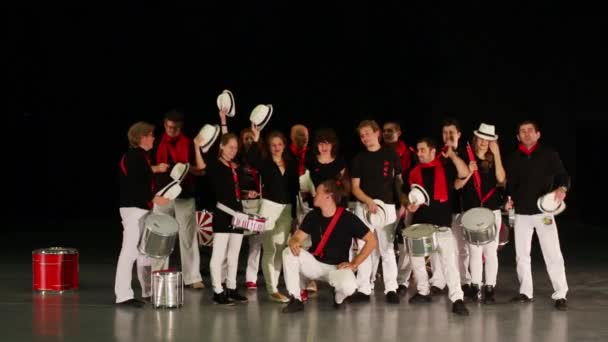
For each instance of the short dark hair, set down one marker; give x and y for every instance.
(528, 122)
(394, 123)
(451, 122)
(430, 142)
(175, 116)
(326, 135)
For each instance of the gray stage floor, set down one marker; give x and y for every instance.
(90, 315)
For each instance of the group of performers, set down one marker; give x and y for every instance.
(313, 229)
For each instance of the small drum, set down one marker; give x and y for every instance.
(55, 269)
(479, 227)
(167, 289)
(421, 239)
(159, 235)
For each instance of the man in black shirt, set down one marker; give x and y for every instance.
(328, 259)
(535, 170)
(438, 181)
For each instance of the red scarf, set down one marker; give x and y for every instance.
(527, 151)
(179, 152)
(477, 179)
(440, 191)
(301, 155)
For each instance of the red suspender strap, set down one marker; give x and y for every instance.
(330, 228)
(477, 179)
(123, 167)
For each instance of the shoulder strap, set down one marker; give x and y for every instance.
(330, 228)
(123, 167)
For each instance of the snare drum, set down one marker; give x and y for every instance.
(55, 269)
(159, 235)
(167, 289)
(421, 239)
(479, 226)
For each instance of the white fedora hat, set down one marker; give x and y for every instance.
(226, 100)
(179, 171)
(548, 205)
(486, 131)
(260, 115)
(418, 195)
(377, 220)
(170, 191)
(208, 134)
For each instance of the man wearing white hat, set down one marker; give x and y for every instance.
(174, 147)
(537, 171)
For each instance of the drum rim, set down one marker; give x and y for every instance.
(55, 250)
(489, 213)
(420, 224)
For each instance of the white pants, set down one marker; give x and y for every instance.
(255, 244)
(226, 248)
(184, 211)
(489, 251)
(404, 264)
(546, 229)
(462, 255)
(273, 243)
(446, 250)
(132, 223)
(300, 269)
(386, 250)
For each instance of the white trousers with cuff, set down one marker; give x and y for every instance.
(462, 254)
(226, 248)
(488, 251)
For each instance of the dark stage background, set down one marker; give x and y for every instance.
(78, 79)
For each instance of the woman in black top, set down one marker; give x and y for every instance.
(222, 173)
(280, 186)
(485, 190)
(326, 164)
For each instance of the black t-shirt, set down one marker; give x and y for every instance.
(135, 179)
(470, 199)
(338, 245)
(455, 194)
(436, 213)
(249, 177)
(377, 171)
(321, 172)
(222, 180)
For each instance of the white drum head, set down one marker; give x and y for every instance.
(476, 219)
(417, 231)
(161, 224)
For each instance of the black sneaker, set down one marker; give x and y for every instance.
(402, 290)
(561, 304)
(488, 294)
(459, 308)
(521, 298)
(466, 289)
(234, 295)
(392, 297)
(294, 305)
(474, 293)
(359, 297)
(419, 298)
(136, 303)
(435, 291)
(222, 299)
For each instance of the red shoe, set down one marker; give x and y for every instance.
(304, 295)
(251, 285)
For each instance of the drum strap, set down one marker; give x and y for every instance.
(477, 179)
(330, 228)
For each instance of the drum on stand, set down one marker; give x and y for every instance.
(159, 235)
(479, 225)
(55, 269)
(421, 239)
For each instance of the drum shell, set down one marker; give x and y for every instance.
(55, 269)
(167, 289)
(155, 245)
(423, 246)
(480, 237)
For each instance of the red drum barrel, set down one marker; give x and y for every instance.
(55, 269)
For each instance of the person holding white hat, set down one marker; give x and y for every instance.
(484, 187)
(174, 147)
(280, 185)
(438, 181)
(376, 176)
(331, 229)
(136, 199)
(536, 171)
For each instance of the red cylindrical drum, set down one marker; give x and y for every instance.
(55, 269)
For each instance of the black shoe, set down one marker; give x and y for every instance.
(435, 291)
(136, 303)
(392, 297)
(561, 304)
(359, 297)
(459, 308)
(418, 298)
(147, 300)
(234, 295)
(522, 298)
(222, 299)
(402, 290)
(474, 293)
(339, 306)
(488, 294)
(294, 305)
(466, 289)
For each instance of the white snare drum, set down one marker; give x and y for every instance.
(479, 227)
(159, 235)
(167, 289)
(421, 239)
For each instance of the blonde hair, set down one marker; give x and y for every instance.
(137, 131)
(368, 123)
